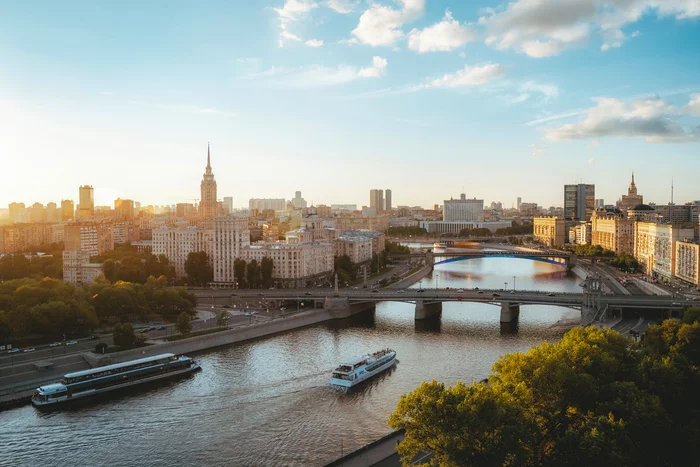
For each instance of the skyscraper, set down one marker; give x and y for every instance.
(387, 200)
(228, 204)
(86, 204)
(208, 207)
(298, 202)
(631, 199)
(124, 208)
(579, 202)
(376, 199)
(67, 209)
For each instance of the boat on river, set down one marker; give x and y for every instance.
(442, 245)
(359, 369)
(108, 378)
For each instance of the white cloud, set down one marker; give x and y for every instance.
(548, 90)
(341, 6)
(652, 119)
(291, 12)
(444, 36)
(318, 75)
(694, 105)
(380, 25)
(542, 28)
(376, 70)
(470, 76)
(314, 43)
(537, 151)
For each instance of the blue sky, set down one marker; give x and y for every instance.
(335, 97)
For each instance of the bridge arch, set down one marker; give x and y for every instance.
(518, 256)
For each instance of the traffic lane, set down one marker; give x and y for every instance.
(45, 352)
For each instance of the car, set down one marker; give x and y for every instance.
(142, 331)
(512, 292)
(71, 342)
(400, 291)
(476, 288)
(234, 295)
(421, 290)
(375, 290)
(29, 350)
(94, 337)
(551, 295)
(307, 293)
(160, 328)
(496, 294)
(15, 350)
(696, 299)
(480, 292)
(247, 313)
(460, 290)
(55, 344)
(283, 309)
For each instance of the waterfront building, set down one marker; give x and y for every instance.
(442, 227)
(177, 243)
(463, 210)
(358, 249)
(208, 205)
(580, 234)
(688, 262)
(376, 200)
(229, 236)
(67, 209)
(550, 230)
(631, 199)
(86, 204)
(611, 230)
(294, 264)
(579, 202)
(655, 247)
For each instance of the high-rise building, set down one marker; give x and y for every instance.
(18, 213)
(185, 210)
(37, 213)
(228, 204)
(52, 214)
(229, 235)
(579, 202)
(631, 199)
(613, 231)
(208, 206)
(67, 209)
(298, 202)
(86, 205)
(124, 208)
(263, 204)
(387, 200)
(376, 200)
(520, 200)
(463, 209)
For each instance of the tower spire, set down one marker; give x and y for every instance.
(208, 158)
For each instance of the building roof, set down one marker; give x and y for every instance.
(643, 207)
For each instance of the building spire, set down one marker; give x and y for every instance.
(208, 158)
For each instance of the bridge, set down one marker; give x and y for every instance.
(562, 258)
(346, 302)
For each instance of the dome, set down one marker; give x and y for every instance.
(643, 207)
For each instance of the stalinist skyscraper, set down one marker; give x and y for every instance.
(208, 206)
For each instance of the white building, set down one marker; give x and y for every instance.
(176, 244)
(655, 247)
(77, 268)
(262, 204)
(229, 235)
(463, 210)
(441, 227)
(295, 264)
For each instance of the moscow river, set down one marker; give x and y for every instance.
(268, 402)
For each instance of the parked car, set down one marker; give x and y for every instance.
(496, 295)
(94, 337)
(71, 342)
(400, 291)
(55, 344)
(512, 292)
(29, 350)
(307, 293)
(480, 292)
(15, 350)
(551, 295)
(375, 290)
(160, 328)
(460, 290)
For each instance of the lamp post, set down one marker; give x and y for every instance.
(505, 285)
(513, 282)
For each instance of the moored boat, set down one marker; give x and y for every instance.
(107, 378)
(442, 245)
(359, 369)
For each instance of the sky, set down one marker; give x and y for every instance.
(430, 98)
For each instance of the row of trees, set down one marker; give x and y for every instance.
(48, 264)
(524, 229)
(407, 231)
(595, 398)
(50, 308)
(254, 275)
(126, 263)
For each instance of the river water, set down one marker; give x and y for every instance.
(268, 402)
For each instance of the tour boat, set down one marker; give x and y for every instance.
(440, 245)
(107, 378)
(361, 368)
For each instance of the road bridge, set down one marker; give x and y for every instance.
(346, 302)
(561, 258)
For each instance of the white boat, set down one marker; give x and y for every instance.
(442, 245)
(359, 369)
(107, 378)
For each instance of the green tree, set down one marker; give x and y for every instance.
(184, 323)
(239, 267)
(123, 335)
(198, 269)
(222, 319)
(266, 267)
(691, 315)
(478, 232)
(253, 274)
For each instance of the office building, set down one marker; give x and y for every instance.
(579, 202)
(550, 230)
(124, 208)
(52, 213)
(229, 235)
(611, 230)
(67, 210)
(298, 202)
(86, 204)
(264, 204)
(208, 205)
(376, 200)
(228, 204)
(463, 210)
(37, 213)
(688, 262)
(387, 200)
(18, 213)
(655, 248)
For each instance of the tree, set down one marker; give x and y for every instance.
(239, 266)
(253, 274)
(101, 347)
(222, 319)
(691, 315)
(184, 323)
(199, 270)
(123, 335)
(266, 267)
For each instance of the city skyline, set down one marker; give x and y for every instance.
(430, 94)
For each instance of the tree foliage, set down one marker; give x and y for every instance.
(126, 264)
(123, 335)
(198, 268)
(478, 232)
(252, 274)
(266, 267)
(595, 398)
(184, 323)
(407, 231)
(239, 272)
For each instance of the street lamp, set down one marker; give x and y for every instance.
(505, 285)
(513, 282)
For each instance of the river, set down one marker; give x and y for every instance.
(268, 402)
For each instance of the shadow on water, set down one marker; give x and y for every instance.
(110, 397)
(364, 319)
(431, 325)
(511, 328)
